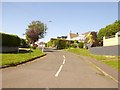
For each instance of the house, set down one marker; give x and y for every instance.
(88, 38)
(80, 38)
(73, 36)
(91, 39)
(62, 37)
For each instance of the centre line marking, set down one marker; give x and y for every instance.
(63, 56)
(64, 61)
(56, 75)
(59, 70)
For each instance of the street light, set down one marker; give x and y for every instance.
(44, 27)
(43, 45)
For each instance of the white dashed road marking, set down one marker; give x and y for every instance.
(59, 70)
(56, 75)
(63, 56)
(64, 61)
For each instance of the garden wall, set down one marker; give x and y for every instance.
(112, 41)
(6, 49)
(106, 50)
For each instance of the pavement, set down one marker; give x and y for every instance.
(59, 69)
(104, 67)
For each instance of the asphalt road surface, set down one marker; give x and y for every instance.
(58, 69)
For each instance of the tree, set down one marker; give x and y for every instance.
(109, 30)
(36, 30)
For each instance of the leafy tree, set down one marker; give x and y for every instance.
(109, 30)
(36, 30)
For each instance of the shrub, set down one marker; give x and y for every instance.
(60, 44)
(10, 40)
(24, 44)
(34, 47)
(73, 45)
(80, 44)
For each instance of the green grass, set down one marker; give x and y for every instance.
(16, 58)
(113, 63)
(109, 60)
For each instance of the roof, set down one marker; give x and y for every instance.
(42, 43)
(89, 32)
(72, 35)
(86, 33)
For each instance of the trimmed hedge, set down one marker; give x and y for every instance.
(10, 40)
(24, 44)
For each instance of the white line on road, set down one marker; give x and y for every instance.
(64, 56)
(56, 75)
(64, 61)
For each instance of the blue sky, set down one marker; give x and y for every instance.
(76, 17)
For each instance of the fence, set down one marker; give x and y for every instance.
(111, 41)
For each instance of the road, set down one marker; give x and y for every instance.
(58, 69)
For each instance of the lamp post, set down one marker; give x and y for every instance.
(43, 45)
(45, 28)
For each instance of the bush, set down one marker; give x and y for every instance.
(10, 40)
(80, 44)
(24, 44)
(63, 44)
(60, 44)
(73, 46)
(34, 47)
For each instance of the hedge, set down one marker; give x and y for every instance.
(23, 43)
(64, 44)
(80, 44)
(10, 40)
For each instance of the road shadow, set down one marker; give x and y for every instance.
(49, 50)
(25, 51)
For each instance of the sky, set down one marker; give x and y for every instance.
(76, 17)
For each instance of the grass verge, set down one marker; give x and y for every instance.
(109, 60)
(12, 59)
